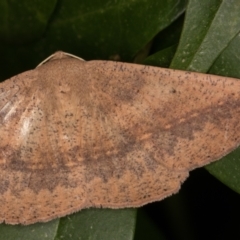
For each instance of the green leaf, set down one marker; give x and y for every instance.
(208, 29)
(38, 231)
(165, 44)
(228, 62)
(24, 21)
(94, 30)
(161, 58)
(98, 224)
(110, 28)
(228, 169)
(94, 224)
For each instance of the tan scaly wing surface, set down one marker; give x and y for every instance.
(77, 134)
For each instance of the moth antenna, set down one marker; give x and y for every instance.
(58, 55)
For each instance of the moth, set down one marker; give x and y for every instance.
(76, 134)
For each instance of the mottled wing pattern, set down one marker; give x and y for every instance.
(77, 134)
(60, 152)
(184, 119)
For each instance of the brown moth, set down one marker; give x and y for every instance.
(76, 134)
